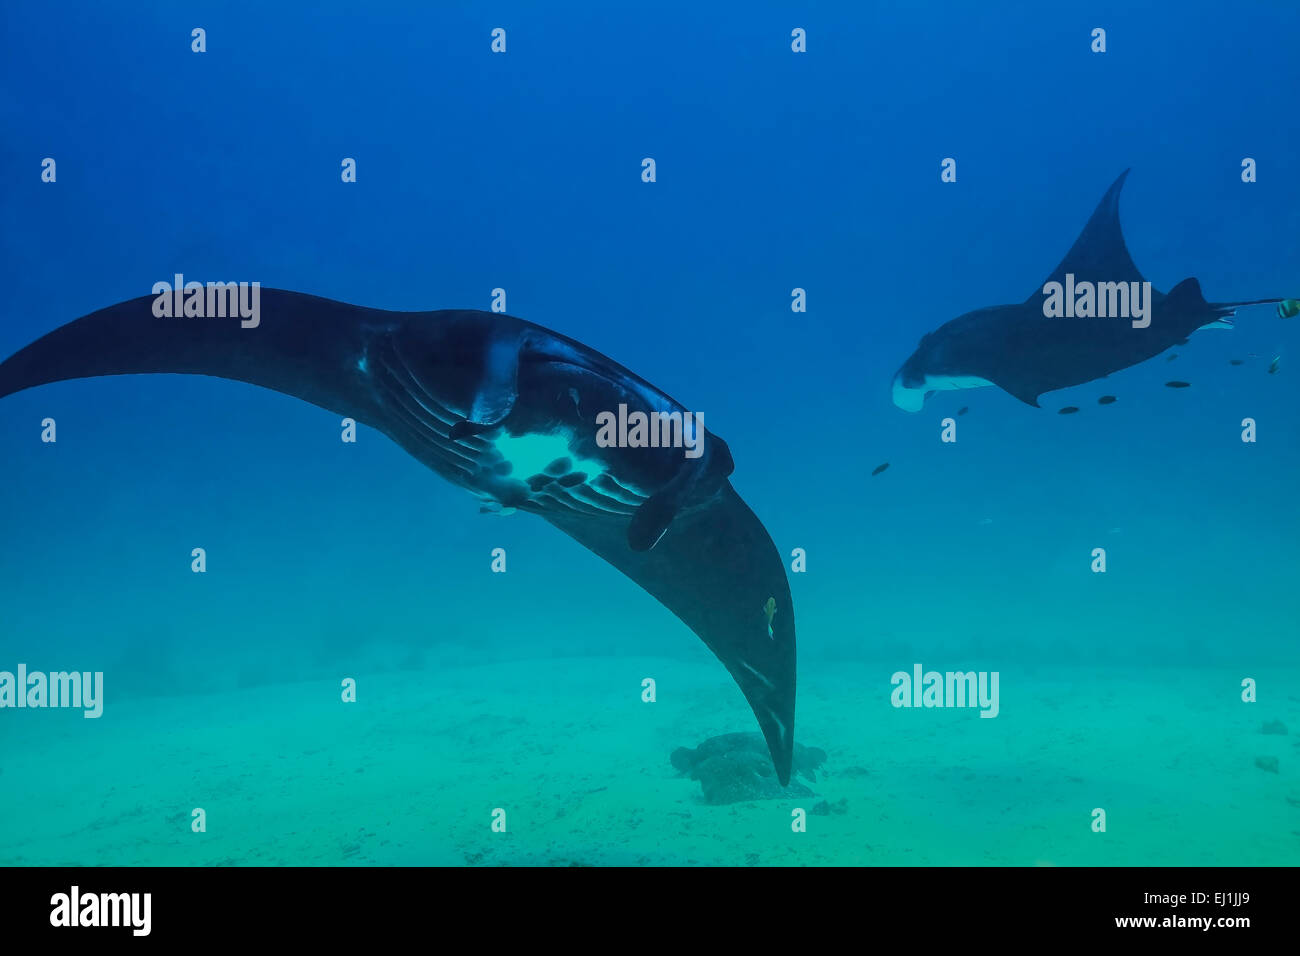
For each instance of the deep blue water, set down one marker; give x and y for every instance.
(775, 171)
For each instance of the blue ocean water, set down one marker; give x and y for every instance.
(775, 170)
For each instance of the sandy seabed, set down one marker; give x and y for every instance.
(412, 772)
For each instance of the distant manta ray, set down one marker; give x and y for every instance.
(506, 409)
(1025, 353)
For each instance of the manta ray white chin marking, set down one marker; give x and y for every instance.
(912, 398)
(531, 453)
(908, 399)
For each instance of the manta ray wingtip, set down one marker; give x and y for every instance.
(1111, 199)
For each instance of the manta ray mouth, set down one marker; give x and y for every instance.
(909, 399)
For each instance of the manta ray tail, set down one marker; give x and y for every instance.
(1187, 295)
(1230, 307)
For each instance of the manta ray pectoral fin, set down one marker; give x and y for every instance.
(1027, 392)
(1099, 253)
(311, 348)
(714, 568)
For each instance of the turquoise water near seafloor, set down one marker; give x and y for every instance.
(522, 690)
(413, 772)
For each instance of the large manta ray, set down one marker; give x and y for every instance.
(478, 397)
(1026, 353)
